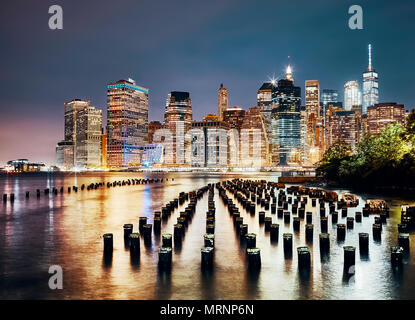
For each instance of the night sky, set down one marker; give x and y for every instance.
(186, 46)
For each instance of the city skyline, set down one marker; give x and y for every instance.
(43, 95)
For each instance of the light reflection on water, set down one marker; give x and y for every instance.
(67, 229)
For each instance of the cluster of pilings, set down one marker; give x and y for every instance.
(180, 228)
(266, 200)
(92, 186)
(132, 239)
(271, 197)
(407, 224)
(129, 182)
(207, 251)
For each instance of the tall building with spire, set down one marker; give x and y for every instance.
(289, 74)
(223, 101)
(286, 122)
(370, 85)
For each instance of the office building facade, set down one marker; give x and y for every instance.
(65, 155)
(210, 149)
(314, 139)
(286, 122)
(88, 148)
(343, 125)
(352, 95)
(254, 143)
(127, 122)
(382, 115)
(178, 120)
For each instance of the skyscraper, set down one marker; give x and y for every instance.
(66, 150)
(215, 143)
(329, 96)
(264, 96)
(71, 110)
(264, 102)
(314, 140)
(254, 142)
(82, 147)
(127, 122)
(370, 85)
(88, 144)
(178, 119)
(64, 155)
(223, 101)
(352, 95)
(286, 122)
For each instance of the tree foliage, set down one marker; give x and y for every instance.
(384, 160)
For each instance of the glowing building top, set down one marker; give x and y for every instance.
(289, 74)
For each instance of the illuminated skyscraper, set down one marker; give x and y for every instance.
(82, 146)
(329, 96)
(314, 140)
(71, 109)
(127, 122)
(370, 85)
(352, 95)
(64, 155)
(178, 111)
(264, 96)
(223, 101)
(88, 143)
(264, 101)
(66, 151)
(178, 119)
(286, 122)
(253, 140)
(215, 143)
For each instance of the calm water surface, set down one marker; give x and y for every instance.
(66, 230)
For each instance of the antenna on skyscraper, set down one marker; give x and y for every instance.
(370, 57)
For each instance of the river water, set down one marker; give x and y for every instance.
(67, 229)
